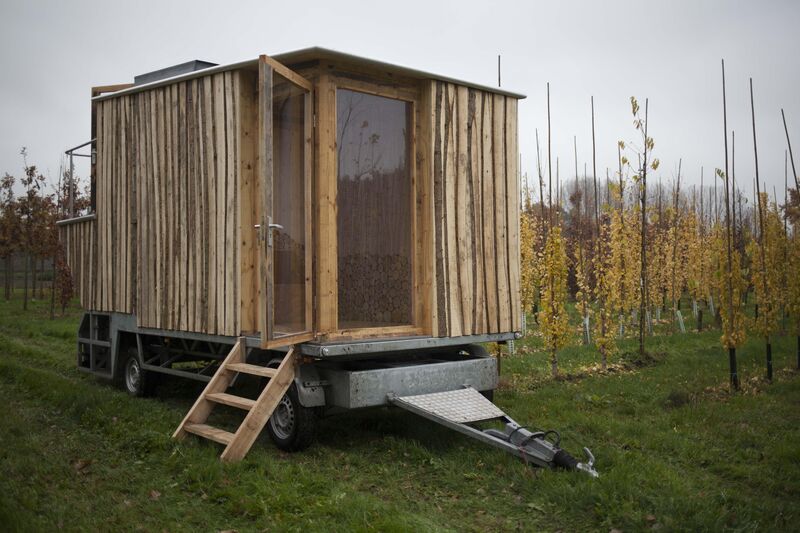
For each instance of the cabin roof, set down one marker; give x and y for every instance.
(318, 53)
(307, 55)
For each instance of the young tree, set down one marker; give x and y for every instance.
(604, 334)
(640, 178)
(793, 279)
(732, 286)
(531, 233)
(553, 316)
(767, 254)
(578, 228)
(731, 298)
(9, 230)
(607, 289)
(35, 213)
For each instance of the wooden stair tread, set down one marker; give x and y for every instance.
(255, 370)
(230, 399)
(258, 411)
(210, 432)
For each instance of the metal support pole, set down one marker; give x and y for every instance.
(71, 186)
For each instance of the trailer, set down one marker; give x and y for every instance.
(344, 228)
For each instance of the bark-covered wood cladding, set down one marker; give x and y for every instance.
(188, 210)
(80, 249)
(476, 210)
(178, 196)
(165, 244)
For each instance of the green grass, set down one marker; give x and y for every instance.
(674, 448)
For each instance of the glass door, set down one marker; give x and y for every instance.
(285, 159)
(375, 211)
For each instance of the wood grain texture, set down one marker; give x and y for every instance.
(178, 193)
(475, 206)
(325, 208)
(166, 241)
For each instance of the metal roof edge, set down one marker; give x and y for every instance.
(174, 79)
(317, 52)
(304, 54)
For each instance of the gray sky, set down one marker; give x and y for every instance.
(53, 52)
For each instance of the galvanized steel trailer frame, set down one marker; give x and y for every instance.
(436, 378)
(330, 377)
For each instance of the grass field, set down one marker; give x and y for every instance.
(675, 450)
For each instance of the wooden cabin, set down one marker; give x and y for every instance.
(311, 196)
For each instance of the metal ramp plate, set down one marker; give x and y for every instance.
(461, 406)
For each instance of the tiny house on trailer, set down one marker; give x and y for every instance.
(344, 227)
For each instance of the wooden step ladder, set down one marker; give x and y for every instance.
(258, 411)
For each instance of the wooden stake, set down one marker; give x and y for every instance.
(761, 238)
(594, 175)
(621, 191)
(558, 195)
(785, 197)
(643, 303)
(541, 178)
(733, 188)
(791, 154)
(598, 250)
(549, 164)
(676, 199)
(734, 375)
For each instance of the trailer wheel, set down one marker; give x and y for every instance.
(292, 427)
(136, 381)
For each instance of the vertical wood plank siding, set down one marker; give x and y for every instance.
(177, 197)
(166, 240)
(80, 249)
(476, 211)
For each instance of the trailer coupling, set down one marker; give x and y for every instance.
(460, 409)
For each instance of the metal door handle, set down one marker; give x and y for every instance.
(271, 226)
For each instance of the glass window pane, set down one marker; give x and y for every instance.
(373, 211)
(288, 205)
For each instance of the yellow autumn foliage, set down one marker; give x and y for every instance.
(606, 293)
(793, 279)
(553, 318)
(731, 304)
(530, 259)
(767, 270)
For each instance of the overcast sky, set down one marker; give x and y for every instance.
(53, 52)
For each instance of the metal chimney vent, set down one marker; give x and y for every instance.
(169, 72)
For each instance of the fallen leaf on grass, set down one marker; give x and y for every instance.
(154, 494)
(81, 466)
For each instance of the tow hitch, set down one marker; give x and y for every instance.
(458, 409)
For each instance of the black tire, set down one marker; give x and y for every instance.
(292, 427)
(134, 379)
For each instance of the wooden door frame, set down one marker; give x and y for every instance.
(266, 67)
(421, 209)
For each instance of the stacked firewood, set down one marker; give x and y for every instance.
(375, 289)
